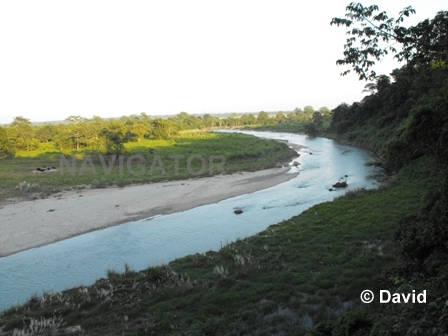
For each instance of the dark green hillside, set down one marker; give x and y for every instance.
(405, 117)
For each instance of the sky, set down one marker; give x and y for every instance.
(113, 58)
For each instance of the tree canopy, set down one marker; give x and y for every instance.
(406, 121)
(373, 35)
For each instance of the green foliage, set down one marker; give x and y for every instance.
(423, 236)
(160, 129)
(401, 120)
(280, 117)
(116, 136)
(241, 152)
(420, 45)
(318, 119)
(76, 130)
(311, 129)
(356, 323)
(263, 118)
(325, 111)
(6, 148)
(310, 268)
(313, 266)
(309, 111)
(406, 121)
(100, 136)
(21, 135)
(427, 125)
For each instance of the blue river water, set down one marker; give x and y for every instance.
(83, 259)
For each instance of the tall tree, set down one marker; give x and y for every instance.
(209, 120)
(325, 111)
(25, 134)
(46, 132)
(318, 119)
(5, 145)
(263, 118)
(309, 111)
(161, 128)
(116, 136)
(280, 117)
(373, 35)
(76, 129)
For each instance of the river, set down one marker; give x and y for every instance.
(83, 259)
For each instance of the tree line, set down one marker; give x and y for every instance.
(109, 135)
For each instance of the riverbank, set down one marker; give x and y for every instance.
(287, 278)
(39, 222)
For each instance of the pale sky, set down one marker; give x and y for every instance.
(114, 58)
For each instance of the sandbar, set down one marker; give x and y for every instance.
(29, 224)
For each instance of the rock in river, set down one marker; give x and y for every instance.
(340, 185)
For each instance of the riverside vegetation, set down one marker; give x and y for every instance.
(305, 275)
(25, 147)
(307, 269)
(241, 152)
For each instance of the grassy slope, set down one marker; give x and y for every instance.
(307, 269)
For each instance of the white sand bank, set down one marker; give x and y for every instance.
(29, 224)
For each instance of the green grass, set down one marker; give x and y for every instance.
(309, 268)
(241, 152)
